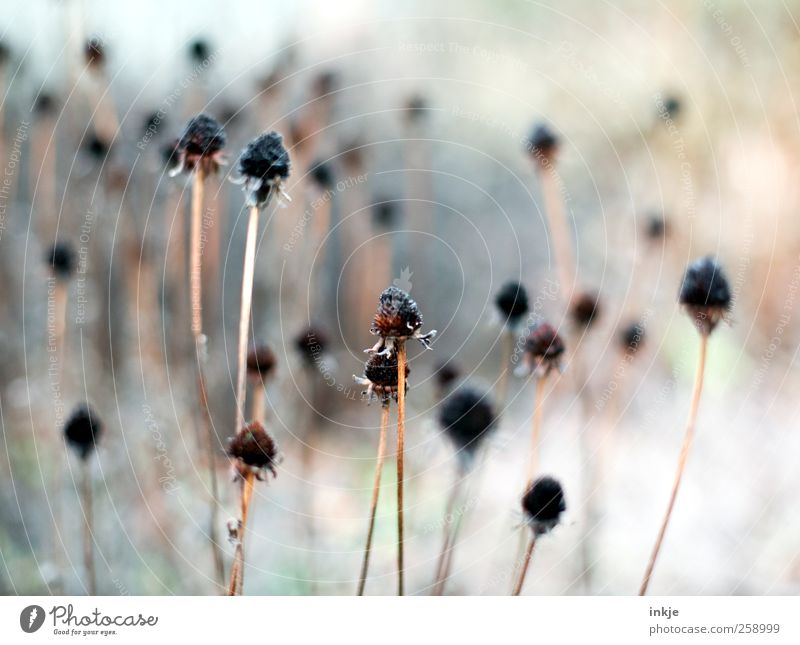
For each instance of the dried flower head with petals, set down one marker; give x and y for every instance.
(82, 430)
(543, 351)
(467, 417)
(60, 257)
(585, 309)
(261, 363)
(543, 504)
(512, 303)
(398, 318)
(263, 167)
(200, 145)
(255, 450)
(705, 294)
(380, 378)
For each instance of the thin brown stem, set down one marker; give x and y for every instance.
(88, 527)
(536, 430)
(505, 360)
(687, 444)
(236, 585)
(525, 564)
(196, 294)
(376, 486)
(557, 221)
(259, 409)
(401, 422)
(450, 522)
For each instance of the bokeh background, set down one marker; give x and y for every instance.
(683, 113)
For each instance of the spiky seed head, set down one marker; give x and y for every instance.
(542, 505)
(200, 145)
(542, 144)
(467, 416)
(263, 166)
(632, 337)
(398, 316)
(512, 302)
(381, 377)
(705, 294)
(543, 350)
(585, 309)
(60, 257)
(312, 344)
(94, 52)
(254, 448)
(82, 430)
(261, 362)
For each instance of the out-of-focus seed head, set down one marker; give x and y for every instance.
(543, 351)
(255, 449)
(585, 309)
(200, 145)
(467, 416)
(542, 505)
(384, 213)
(446, 376)
(321, 174)
(398, 318)
(672, 106)
(82, 430)
(324, 83)
(45, 104)
(153, 123)
(199, 51)
(263, 167)
(542, 144)
(380, 378)
(705, 294)
(95, 52)
(96, 148)
(632, 337)
(512, 303)
(656, 227)
(60, 257)
(5, 53)
(416, 108)
(261, 363)
(312, 345)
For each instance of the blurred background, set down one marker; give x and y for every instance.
(407, 126)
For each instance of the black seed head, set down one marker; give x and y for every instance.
(446, 375)
(45, 104)
(82, 430)
(384, 213)
(542, 143)
(199, 51)
(311, 344)
(656, 227)
(96, 147)
(60, 257)
(672, 106)
(261, 362)
(254, 447)
(263, 165)
(512, 302)
(467, 416)
(380, 377)
(398, 316)
(632, 338)
(543, 349)
(585, 309)
(153, 122)
(705, 294)
(94, 52)
(322, 175)
(543, 504)
(203, 137)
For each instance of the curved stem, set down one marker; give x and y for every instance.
(687, 444)
(401, 420)
(362, 581)
(525, 565)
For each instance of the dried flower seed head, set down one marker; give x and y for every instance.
(656, 227)
(543, 351)
(672, 106)
(201, 144)
(94, 52)
(255, 449)
(312, 345)
(261, 363)
(416, 108)
(322, 175)
(467, 417)
(45, 104)
(199, 51)
(82, 430)
(705, 294)
(512, 303)
(542, 144)
(152, 123)
(95, 147)
(60, 257)
(585, 309)
(398, 318)
(446, 375)
(380, 378)
(263, 167)
(384, 213)
(543, 504)
(632, 338)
